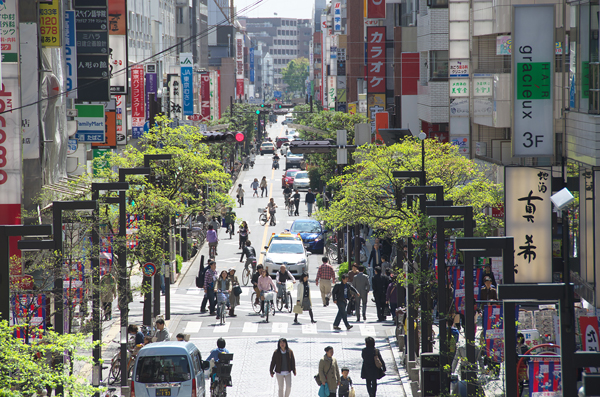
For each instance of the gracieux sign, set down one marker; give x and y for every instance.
(528, 216)
(533, 57)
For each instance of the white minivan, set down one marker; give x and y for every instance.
(169, 369)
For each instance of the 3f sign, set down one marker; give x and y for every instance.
(532, 140)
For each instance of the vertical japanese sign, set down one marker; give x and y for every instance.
(117, 40)
(93, 71)
(382, 121)
(375, 59)
(337, 16)
(9, 34)
(50, 24)
(589, 337)
(533, 41)
(239, 64)
(175, 103)
(186, 64)
(70, 54)
(545, 377)
(121, 119)
(493, 330)
(151, 88)
(30, 134)
(331, 91)
(528, 215)
(251, 59)
(138, 113)
(205, 96)
(376, 9)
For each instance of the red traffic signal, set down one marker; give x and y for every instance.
(239, 137)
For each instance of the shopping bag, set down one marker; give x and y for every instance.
(324, 390)
(297, 309)
(352, 393)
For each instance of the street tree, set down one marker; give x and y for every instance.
(294, 74)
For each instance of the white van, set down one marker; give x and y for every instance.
(169, 369)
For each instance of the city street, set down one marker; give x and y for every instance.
(248, 336)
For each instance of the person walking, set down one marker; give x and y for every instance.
(212, 238)
(345, 383)
(240, 194)
(254, 186)
(326, 276)
(341, 293)
(234, 300)
(230, 217)
(329, 372)
(263, 186)
(361, 283)
(209, 287)
(370, 372)
(391, 299)
(352, 301)
(162, 333)
(243, 231)
(296, 197)
(283, 364)
(379, 290)
(374, 258)
(309, 199)
(108, 291)
(272, 208)
(303, 298)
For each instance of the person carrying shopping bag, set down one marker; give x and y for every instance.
(329, 373)
(283, 364)
(303, 300)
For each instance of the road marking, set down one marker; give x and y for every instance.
(340, 332)
(309, 328)
(222, 329)
(250, 327)
(279, 328)
(192, 291)
(367, 330)
(192, 327)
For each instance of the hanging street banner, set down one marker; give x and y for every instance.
(175, 99)
(138, 112)
(121, 119)
(376, 59)
(70, 54)
(457, 276)
(239, 65)
(205, 96)
(376, 9)
(186, 64)
(50, 19)
(533, 71)
(545, 377)
(151, 88)
(528, 215)
(10, 35)
(492, 321)
(117, 41)
(30, 134)
(91, 127)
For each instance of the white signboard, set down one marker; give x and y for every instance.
(29, 91)
(10, 146)
(483, 107)
(459, 87)
(459, 107)
(482, 86)
(331, 91)
(533, 69)
(239, 56)
(458, 68)
(528, 214)
(118, 65)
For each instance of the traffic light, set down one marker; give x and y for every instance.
(220, 137)
(239, 137)
(284, 105)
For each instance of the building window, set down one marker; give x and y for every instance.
(438, 65)
(437, 3)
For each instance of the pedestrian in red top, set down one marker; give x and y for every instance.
(325, 276)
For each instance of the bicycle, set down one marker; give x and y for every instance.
(240, 200)
(247, 273)
(269, 304)
(291, 207)
(114, 374)
(286, 300)
(255, 306)
(222, 376)
(212, 251)
(222, 298)
(263, 218)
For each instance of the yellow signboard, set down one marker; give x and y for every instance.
(50, 24)
(352, 108)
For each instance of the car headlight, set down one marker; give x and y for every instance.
(301, 262)
(268, 260)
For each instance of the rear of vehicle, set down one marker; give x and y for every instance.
(168, 369)
(288, 178)
(267, 147)
(301, 180)
(293, 160)
(280, 141)
(311, 232)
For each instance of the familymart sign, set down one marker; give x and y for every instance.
(533, 66)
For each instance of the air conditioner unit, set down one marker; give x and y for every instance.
(481, 148)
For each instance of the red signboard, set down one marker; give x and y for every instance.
(137, 92)
(410, 73)
(376, 59)
(376, 9)
(240, 88)
(382, 120)
(589, 336)
(117, 14)
(205, 96)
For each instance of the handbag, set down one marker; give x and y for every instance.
(318, 378)
(352, 393)
(378, 362)
(237, 290)
(297, 309)
(324, 390)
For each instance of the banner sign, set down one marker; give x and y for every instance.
(493, 330)
(376, 9)
(30, 133)
(533, 121)
(70, 54)
(121, 119)
(138, 113)
(50, 24)
(251, 56)
(31, 310)
(175, 99)
(91, 125)
(186, 64)
(151, 88)
(337, 16)
(589, 337)
(545, 377)
(118, 63)
(205, 96)
(239, 64)
(457, 275)
(9, 37)
(528, 215)
(117, 17)
(376, 59)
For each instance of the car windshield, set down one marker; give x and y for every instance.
(286, 248)
(291, 173)
(290, 154)
(159, 369)
(301, 175)
(267, 144)
(306, 227)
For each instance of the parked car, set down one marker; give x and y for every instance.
(290, 253)
(169, 369)
(293, 160)
(288, 178)
(311, 232)
(267, 147)
(301, 181)
(280, 140)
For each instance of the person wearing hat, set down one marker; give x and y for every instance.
(488, 292)
(234, 300)
(487, 271)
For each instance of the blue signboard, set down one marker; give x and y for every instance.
(187, 83)
(70, 54)
(252, 65)
(277, 94)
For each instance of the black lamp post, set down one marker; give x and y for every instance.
(96, 326)
(7, 231)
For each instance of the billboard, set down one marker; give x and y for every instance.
(239, 64)
(533, 70)
(375, 59)
(205, 96)
(138, 112)
(376, 9)
(186, 64)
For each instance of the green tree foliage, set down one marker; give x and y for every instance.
(367, 189)
(28, 368)
(295, 74)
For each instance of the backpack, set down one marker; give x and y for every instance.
(201, 273)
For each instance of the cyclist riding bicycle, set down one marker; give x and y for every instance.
(214, 355)
(265, 284)
(250, 254)
(281, 277)
(271, 207)
(254, 280)
(287, 193)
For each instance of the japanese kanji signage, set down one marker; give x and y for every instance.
(376, 9)
(121, 119)
(8, 32)
(337, 16)
(138, 112)
(50, 24)
(459, 68)
(482, 86)
(589, 336)
(376, 59)
(533, 41)
(175, 100)
(117, 17)
(70, 54)
(91, 18)
(459, 87)
(239, 64)
(528, 212)
(117, 40)
(186, 64)
(151, 88)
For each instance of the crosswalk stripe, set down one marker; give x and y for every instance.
(250, 327)
(192, 327)
(222, 329)
(193, 291)
(367, 330)
(342, 332)
(279, 328)
(309, 328)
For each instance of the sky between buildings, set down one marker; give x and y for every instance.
(299, 9)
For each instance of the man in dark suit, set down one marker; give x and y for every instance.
(374, 258)
(361, 283)
(340, 294)
(379, 289)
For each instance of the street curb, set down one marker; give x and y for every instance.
(404, 379)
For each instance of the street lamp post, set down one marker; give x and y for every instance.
(96, 332)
